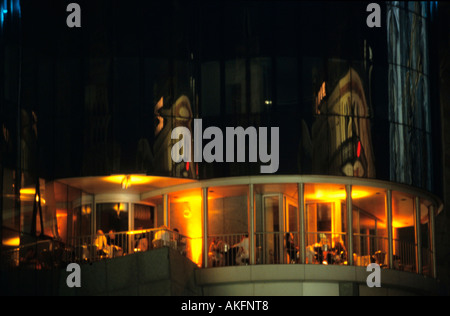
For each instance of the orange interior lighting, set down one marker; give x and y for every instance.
(324, 195)
(187, 213)
(190, 199)
(61, 213)
(192, 215)
(119, 207)
(28, 191)
(132, 179)
(142, 231)
(12, 242)
(28, 194)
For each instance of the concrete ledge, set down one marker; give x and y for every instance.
(309, 280)
(158, 272)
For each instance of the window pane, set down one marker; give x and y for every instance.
(82, 220)
(10, 214)
(112, 216)
(210, 89)
(369, 226)
(159, 210)
(143, 216)
(325, 223)
(425, 237)
(261, 84)
(403, 232)
(227, 224)
(235, 87)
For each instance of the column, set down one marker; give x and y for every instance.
(433, 240)
(166, 210)
(301, 222)
(417, 236)
(389, 227)
(251, 222)
(348, 189)
(205, 226)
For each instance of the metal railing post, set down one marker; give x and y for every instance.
(166, 209)
(348, 189)
(205, 226)
(301, 207)
(433, 240)
(418, 237)
(251, 233)
(389, 228)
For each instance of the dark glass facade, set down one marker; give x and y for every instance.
(102, 99)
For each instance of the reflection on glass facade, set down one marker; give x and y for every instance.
(347, 103)
(409, 94)
(343, 121)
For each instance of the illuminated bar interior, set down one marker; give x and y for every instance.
(390, 227)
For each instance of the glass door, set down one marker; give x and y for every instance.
(273, 228)
(291, 229)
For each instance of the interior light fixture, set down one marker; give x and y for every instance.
(187, 213)
(126, 182)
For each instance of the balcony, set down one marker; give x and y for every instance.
(318, 223)
(224, 250)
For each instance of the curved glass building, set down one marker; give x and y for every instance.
(344, 114)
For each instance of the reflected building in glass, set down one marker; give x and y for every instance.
(87, 116)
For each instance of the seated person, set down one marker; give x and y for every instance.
(310, 254)
(338, 251)
(141, 243)
(180, 241)
(326, 249)
(113, 244)
(214, 253)
(243, 253)
(102, 244)
(314, 253)
(162, 237)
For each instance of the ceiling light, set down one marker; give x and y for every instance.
(126, 182)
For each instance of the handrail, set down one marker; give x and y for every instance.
(116, 244)
(223, 249)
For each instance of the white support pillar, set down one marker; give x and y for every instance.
(166, 210)
(301, 222)
(433, 240)
(417, 236)
(389, 228)
(205, 226)
(251, 221)
(348, 189)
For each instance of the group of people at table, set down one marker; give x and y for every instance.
(221, 254)
(115, 245)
